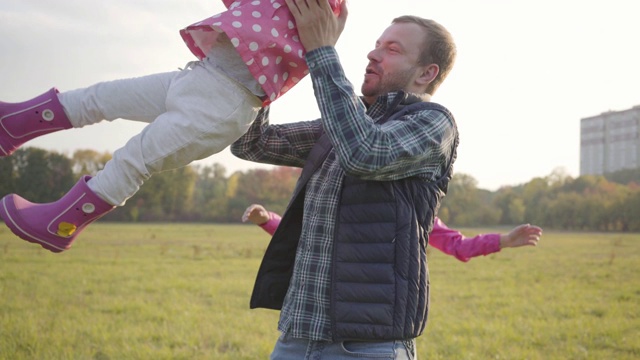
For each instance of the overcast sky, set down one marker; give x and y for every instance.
(527, 71)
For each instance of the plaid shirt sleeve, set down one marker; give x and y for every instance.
(419, 143)
(283, 144)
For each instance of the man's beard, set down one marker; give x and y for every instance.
(389, 83)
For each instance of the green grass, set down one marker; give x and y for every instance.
(181, 291)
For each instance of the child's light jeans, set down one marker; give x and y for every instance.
(192, 114)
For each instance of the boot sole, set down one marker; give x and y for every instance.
(13, 225)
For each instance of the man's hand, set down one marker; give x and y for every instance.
(317, 25)
(521, 236)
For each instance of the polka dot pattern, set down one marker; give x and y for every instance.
(263, 32)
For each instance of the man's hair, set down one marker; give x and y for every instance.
(439, 48)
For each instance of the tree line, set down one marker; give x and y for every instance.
(208, 194)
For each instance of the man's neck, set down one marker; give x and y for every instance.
(369, 100)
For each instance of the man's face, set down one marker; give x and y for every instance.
(393, 64)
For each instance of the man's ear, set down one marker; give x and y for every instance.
(428, 74)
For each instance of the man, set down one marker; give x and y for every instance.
(347, 266)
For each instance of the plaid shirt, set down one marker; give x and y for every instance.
(419, 144)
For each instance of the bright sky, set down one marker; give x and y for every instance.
(527, 71)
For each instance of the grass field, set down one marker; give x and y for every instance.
(181, 291)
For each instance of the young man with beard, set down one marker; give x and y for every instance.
(347, 266)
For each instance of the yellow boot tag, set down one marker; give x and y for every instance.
(65, 229)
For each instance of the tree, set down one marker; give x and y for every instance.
(6, 175)
(89, 162)
(511, 205)
(627, 211)
(534, 195)
(207, 194)
(61, 177)
(165, 196)
(41, 176)
(272, 188)
(625, 176)
(465, 204)
(558, 177)
(210, 199)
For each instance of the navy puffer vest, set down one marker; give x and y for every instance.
(380, 279)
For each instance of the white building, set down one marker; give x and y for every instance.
(610, 142)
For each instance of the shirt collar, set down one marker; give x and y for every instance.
(387, 99)
(384, 102)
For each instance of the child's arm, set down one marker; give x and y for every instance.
(272, 224)
(452, 242)
(258, 215)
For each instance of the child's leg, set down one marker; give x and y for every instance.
(205, 112)
(139, 99)
(26, 120)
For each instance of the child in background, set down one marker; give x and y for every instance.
(449, 241)
(248, 56)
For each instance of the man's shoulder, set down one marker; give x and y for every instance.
(423, 109)
(428, 105)
(401, 103)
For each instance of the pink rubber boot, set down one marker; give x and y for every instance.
(21, 122)
(54, 225)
